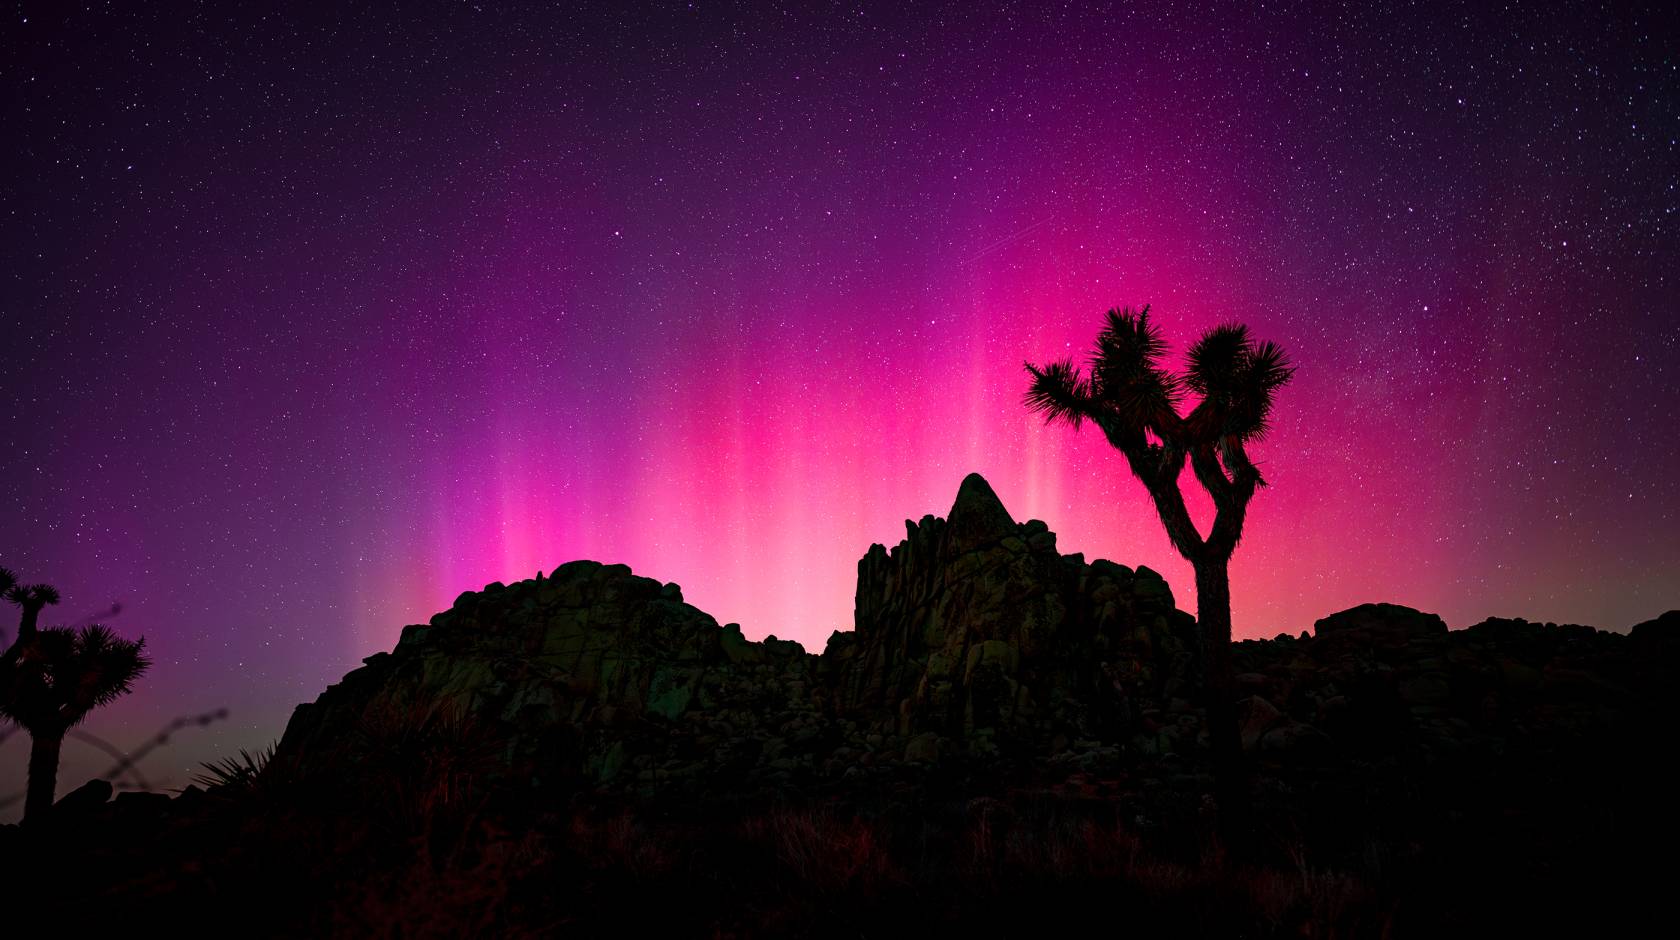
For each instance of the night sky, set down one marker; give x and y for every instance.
(312, 321)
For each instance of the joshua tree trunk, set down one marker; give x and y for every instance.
(27, 623)
(43, 773)
(1211, 559)
(1135, 403)
(1213, 614)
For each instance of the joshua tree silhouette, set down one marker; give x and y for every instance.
(8, 580)
(51, 679)
(1134, 402)
(62, 675)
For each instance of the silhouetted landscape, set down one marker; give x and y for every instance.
(1012, 740)
(1278, 400)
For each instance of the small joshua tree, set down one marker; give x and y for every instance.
(49, 681)
(1135, 403)
(8, 580)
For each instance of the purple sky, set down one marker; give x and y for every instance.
(313, 321)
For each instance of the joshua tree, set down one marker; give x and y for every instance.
(56, 677)
(1134, 402)
(8, 580)
(10, 589)
(31, 598)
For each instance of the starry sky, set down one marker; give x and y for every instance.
(313, 320)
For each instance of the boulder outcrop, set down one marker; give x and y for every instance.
(1003, 721)
(976, 644)
(974, 638)
(591, 672)
(974, 628)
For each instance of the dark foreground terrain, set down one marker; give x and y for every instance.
(1010, 743)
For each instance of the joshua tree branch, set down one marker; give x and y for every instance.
(1236, 459)
(1172, 429)
(1169, 505)
(1233, 508)
(1158, 468)
(1227, 529)
(1205, 460)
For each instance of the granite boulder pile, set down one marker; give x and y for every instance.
(975, 640)
(976, 645)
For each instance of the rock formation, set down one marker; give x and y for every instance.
(590, 672)
(974, 638)
(975, 631)
(976, 644)
(585, 751)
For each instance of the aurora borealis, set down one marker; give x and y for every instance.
(313, 321)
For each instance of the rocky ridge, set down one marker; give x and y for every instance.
(1009, 742)
(974, 639)
(977, 646)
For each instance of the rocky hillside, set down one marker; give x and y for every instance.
(974, 639)
(1009, 743)
(975, 633)
(977, 646)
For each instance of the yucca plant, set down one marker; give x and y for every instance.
(55, 677)
(1134, 401)
(240, 773)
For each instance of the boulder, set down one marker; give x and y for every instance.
(83, 799)
(1660, 633)
(1256, 716)
(563, 678)
(1380, 623)
(923, 748)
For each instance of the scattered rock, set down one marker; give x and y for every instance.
(80, 801)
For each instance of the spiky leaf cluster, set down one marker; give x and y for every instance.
(1127, 387)
(31, 595)
(1236, 378)
(63, 674)
(235, 773)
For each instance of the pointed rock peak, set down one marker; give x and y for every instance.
(978, 515)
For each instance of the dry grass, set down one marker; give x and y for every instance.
(825, 853)
(621, 843)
